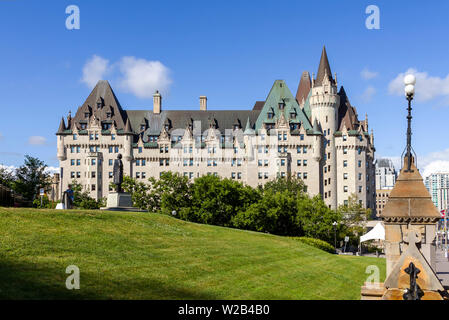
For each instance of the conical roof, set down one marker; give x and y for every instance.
(409, 200)
(62, 127)
(304, 87)
(128, 127)
(324, 69)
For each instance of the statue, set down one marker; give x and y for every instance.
(118, 173)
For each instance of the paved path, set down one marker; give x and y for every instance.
(442, 267)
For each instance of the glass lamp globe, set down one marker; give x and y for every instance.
(409, 89)
(409, 79)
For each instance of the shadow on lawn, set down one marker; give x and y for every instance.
(20, 281)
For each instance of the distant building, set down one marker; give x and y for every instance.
(382, 196)
(315, 136)
(438, 186)
(385, 174)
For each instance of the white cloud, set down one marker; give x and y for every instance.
(367, 74)
(37, 140)
(142, 77)
(427, 87)
(94, 70)
(52, 170)
(11, 169)
(368, 94)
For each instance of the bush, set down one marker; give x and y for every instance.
(317, 243)
(46, 203)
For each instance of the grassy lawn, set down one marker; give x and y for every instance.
(150, 256)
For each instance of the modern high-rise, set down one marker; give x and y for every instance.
(315, 135)
(438, 186)
(385, 174)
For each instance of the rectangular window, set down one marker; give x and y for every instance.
(138, 175)
(72, 174)
(301, 137)
(72, 162)
(143, 162)
(304, 150)
(298, 149)
(345, 176)
(265, 175)
(93, 187)
(304, 175)
(239, 162)
(285, 136)
(345, 150)
(191, 162)
(111, 175)
(345, 188)
(298, 163)
(265, 163)
(233, 175)
(259, 163)
(360, 163)
(345, 138)
(96, 136)
(345, 163)
(93, 174)
(304, 163)
(259, 175)
(140, 149)
(161, 162)
(91, 136)
(93, 162)
(78, 174)
(111, 149)
(239, 175)
(282, 162)
(110, 162)
(113, 136)
(298, 175)
(116, 149)
(137, 163)
(78, 149)
(75, 136)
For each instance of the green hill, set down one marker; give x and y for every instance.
(151, 256)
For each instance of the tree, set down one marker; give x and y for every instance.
(216, 201)
(6, 177)
(316, 219)
(291, 184)
(82, 199)
(275, 212)
(30, 177)
(354, 216)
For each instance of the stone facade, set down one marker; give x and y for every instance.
(315, 136)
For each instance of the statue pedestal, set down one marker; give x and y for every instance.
(120, 201)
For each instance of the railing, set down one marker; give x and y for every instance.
(9, 199)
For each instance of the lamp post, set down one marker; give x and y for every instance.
(409, 82)
(335, 235)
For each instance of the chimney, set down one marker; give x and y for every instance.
(157, 102)
(203, 103)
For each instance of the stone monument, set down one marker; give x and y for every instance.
(119, 200)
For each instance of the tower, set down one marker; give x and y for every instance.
(324, 102)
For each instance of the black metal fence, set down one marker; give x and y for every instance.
(9, 199)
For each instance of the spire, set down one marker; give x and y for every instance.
(248, 129)
(62, 127)
(316, 128)
(324, 70)
(69, 120)
(128, 127)
(303, 88)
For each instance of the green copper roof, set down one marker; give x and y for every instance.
(278, 93)
(307, 109)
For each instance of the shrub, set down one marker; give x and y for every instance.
(317, 243)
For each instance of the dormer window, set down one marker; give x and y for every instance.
(86, 115)
(236, 126)
(142, 127)
(83, 126)
(270, 115)
(292, 115)
(108, 115)
(281, 105)
(166, 127)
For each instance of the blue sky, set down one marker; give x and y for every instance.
(231, 51)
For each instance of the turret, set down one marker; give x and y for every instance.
(128, 143)
(60, 144)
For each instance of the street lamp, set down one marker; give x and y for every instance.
(409, 82)
(335, 235)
